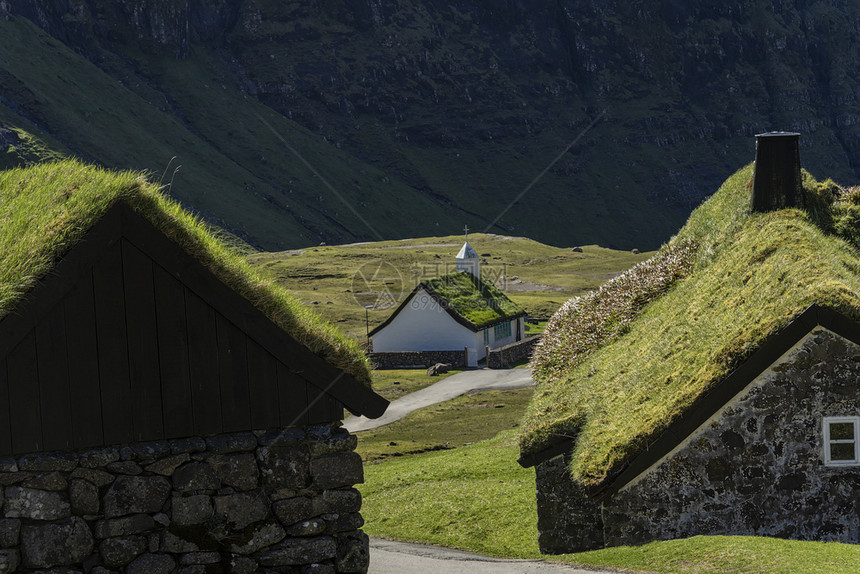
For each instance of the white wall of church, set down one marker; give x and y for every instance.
(425, 326)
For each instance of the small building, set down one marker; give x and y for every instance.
(161, 405)
(451, 314)
(726, 401)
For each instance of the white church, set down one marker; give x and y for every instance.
(457, 311)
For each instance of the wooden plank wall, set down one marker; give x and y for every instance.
(133, 354)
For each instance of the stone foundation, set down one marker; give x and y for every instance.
(268, 501)
(417, 359)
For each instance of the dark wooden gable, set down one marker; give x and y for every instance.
(131, 339)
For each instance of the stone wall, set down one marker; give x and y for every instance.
(758, 468)
(509, 354)
(268, 501)
(568, 521)
(417, 359)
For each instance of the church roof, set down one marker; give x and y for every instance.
(467, 252)
(657, 343)
(474, 303)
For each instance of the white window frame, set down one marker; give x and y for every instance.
(828, 442)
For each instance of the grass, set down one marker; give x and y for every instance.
(753, 274)
(479, 302)
(459, 422)
(47, 209)
(477, 498)
(340, 280)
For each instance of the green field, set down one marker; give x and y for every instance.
(339, 281)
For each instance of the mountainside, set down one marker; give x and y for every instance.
(299, 122)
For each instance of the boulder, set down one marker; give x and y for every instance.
(439, 369)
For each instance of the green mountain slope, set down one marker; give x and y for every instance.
(419, 117)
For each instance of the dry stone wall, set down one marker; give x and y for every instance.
(279, 501)
(509, 354)
(421, 359)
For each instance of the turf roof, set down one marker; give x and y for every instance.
(45, 210)
(478, 302)
(751, 275)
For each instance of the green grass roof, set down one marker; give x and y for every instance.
(45, 210)
(478, 302)
(749, 275)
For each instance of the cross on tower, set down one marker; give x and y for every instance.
(466, 229)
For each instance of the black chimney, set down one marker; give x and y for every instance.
(776, 183)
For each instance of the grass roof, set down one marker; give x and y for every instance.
(749, 275)
(45, 210)
(478, 302)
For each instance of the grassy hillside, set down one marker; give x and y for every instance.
(341, 280)
(295, 123)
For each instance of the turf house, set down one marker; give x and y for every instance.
(712, 389)
(161, 405)
(451, 314)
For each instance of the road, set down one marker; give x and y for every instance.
(445, 390)
(388, 557)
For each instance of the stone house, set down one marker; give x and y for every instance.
(163, 409)
(454, 313)
(728, 405)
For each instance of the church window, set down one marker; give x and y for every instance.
(842, 441)
(502, 330)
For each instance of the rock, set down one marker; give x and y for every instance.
(152, 564)
(439, 369)
(10, 532)
(284, 466)
(347, 500)
(36, 504)
(8, 464)
(195, 476)
(83, 497)
(227, 443)
(262, 536)
(146, 451)
(577, 249)
(342, 441)
(189, 445)
(237, 470)
(166, 466)
(97, 477)
(353, 553)
(117, 552)
(55, 543)
(635, 252)
(47, 481)
(288, 436)
(48, 461)
(124, 526)
(346, 522)
(98, 457)
(200, 558)
(337, 470)
(242, 565)
(312, 527)
(134, 494)
(318, 569)
(9, 561)
(128, 467)
(242, 509)
(292, 510)
(299, 551)
(192, 509)
(170, 542)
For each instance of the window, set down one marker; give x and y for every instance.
(842, 441)
(501, 331)
(486, 337)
